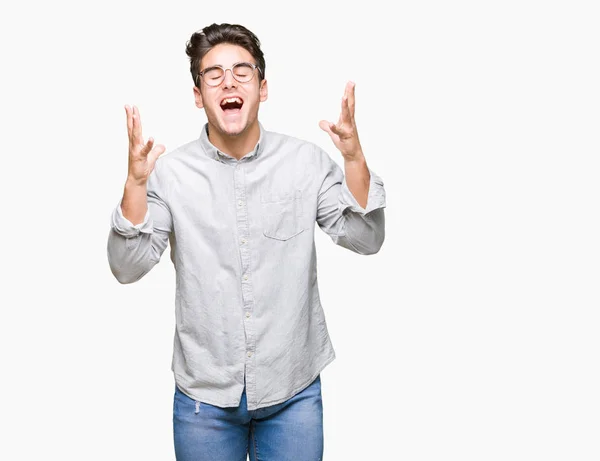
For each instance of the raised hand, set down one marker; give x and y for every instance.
(344, 134)
(142, 156)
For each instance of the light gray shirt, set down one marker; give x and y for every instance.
(247, 307)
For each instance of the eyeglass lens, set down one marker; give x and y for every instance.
(242, 72)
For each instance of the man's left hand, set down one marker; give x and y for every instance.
(344, 134)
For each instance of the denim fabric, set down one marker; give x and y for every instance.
(288, 431)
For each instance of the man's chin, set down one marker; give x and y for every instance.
(230, 128)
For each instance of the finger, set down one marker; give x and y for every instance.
(346, 94)
(351, 103)
(137, 127)
(335, 129)
(156, 152)
(345, 117)
(326, 126)
(145, 150)
(348, 90)
(129, 122)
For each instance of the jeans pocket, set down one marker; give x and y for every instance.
(183, 405)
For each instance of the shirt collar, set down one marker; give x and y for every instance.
(214, 153)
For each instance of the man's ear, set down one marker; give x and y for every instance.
(198, 98)
(264, 90)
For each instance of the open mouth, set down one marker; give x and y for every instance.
(232, 105)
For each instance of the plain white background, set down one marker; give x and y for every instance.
(472, 335)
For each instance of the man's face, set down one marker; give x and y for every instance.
(229, 118)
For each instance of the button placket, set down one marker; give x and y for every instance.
(246, 282)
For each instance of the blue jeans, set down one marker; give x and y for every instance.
(289, 431)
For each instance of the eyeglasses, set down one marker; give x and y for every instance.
(243, 72)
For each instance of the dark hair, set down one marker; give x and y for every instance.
(203, 41)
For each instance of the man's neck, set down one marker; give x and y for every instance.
(236, 146)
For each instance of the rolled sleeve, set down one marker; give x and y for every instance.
(124, 227)
(134, 249)
(361, 230)
(375, 199)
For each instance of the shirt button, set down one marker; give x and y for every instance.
(249, 354)
(240, 203)
(245, 277)
(247, 315)
(243, 241)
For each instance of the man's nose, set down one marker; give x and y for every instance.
(228, 80)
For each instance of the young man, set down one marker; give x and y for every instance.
(238, 206)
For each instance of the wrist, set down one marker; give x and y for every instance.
(133, 183)
(357, 159)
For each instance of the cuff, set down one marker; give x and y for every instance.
(375, 199)
(123, 226)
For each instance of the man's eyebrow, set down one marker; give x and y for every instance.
(233, 64)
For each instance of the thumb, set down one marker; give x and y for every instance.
(325, 126)
(156, 152)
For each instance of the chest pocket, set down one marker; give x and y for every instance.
(282, 213)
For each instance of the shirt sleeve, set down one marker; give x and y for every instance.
(375, 200)
(135, 249)
(361, 230)
(124, 227)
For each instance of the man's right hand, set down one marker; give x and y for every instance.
(142, 156)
